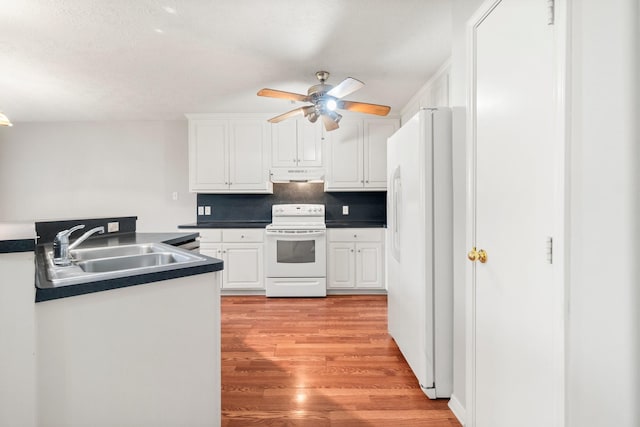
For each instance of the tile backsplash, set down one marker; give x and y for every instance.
(363, 206)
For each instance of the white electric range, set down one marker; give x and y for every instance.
(296, 260)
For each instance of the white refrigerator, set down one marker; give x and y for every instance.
(419, 252)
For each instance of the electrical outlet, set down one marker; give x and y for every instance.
(200, 210)
(207, 210)
(113, 227)
(345, 210)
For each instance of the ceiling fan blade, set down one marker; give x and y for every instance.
(298, 111)
(329, 123)
(273, 93)
(363, 107)
(345, 87)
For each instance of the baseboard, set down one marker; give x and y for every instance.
(352, 291)
(457, 409)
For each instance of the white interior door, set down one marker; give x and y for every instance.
(513, 321)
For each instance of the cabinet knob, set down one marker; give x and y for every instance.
(351, 250)
(367, 181)
(355, 236)
(242, 236)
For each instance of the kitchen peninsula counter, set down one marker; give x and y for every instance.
(159, 342)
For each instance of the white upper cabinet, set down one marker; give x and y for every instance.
(357, 155)
(208, 148)
(296, 143)
(229, 155)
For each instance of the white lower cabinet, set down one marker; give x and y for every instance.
(355, 258)
(242, 251)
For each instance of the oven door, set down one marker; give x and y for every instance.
(296, 253)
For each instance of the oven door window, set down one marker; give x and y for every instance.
(296, 252)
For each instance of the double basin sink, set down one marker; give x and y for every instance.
(104, 263)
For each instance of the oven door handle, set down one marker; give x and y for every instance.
(305, 233)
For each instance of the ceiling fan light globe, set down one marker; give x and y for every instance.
(334, 116)
(331, 104)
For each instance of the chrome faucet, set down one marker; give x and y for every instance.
(61, 246)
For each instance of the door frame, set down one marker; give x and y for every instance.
(561, 224)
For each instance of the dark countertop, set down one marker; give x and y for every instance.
(227, 224)
(45, 290)
(263, 224)
(354, 224)
(17, 237)
(139, 238)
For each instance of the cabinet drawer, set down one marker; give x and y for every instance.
(356, 234)
(243, 235)
(210, 235)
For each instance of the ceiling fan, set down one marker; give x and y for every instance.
(325, 99)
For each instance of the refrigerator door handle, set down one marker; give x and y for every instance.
(396, 198)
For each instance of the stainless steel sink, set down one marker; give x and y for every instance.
(104, 263)
(113, 251)
(126, 262)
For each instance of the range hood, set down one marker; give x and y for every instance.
(294, 174)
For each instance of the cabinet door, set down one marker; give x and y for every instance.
(243, 266)
(344, 149)
(284, 140)
(309, 143)
(208, 153)
(376, 133)
(369, 265)
(214, 250)
(341, 272)
(248, 155)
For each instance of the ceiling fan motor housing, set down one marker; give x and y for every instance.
(323, 76)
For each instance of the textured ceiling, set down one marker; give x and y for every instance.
(70, 60)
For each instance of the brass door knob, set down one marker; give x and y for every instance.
(475, 255)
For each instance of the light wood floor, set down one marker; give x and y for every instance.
(318, 362)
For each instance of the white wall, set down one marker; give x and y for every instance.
(434, 93)
(603, 332)
(97, 169)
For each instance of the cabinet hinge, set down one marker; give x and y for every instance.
(551, 8)
(549, 250)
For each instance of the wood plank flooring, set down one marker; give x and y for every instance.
(318, 362)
